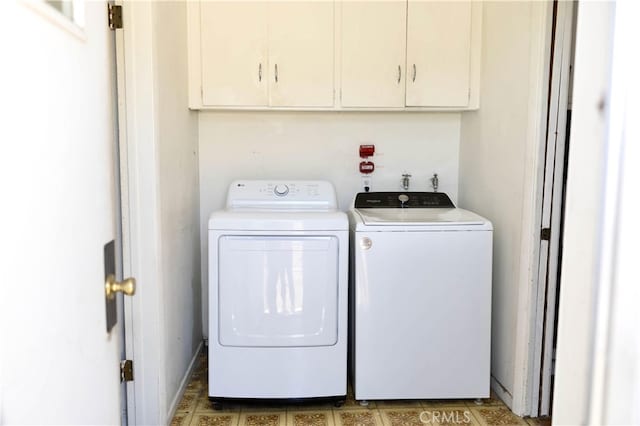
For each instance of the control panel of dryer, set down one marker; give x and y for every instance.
(300, 194)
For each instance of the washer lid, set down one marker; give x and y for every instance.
(419, 217)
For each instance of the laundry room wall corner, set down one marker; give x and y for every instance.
(163, 202)
(499, 168)
(179, 199)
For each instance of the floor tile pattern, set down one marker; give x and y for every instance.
(215, 420)
(181, 419)
(357, 418)
(311, 419)
(406, 417)
(195, 410)
(451, 416)
(497, 415)
(263, 419)
(539, 421)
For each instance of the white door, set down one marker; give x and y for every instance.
(438, 53)
(234, 53)
(301, 53)
(58, 364)
(277, 291)
(373, 53)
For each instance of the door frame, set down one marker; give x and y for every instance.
(530, 320)
(541, 26)
(148, 398)
(551, 208)
(140, 207)
(121, 301)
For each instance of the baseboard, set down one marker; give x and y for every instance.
(184, 383)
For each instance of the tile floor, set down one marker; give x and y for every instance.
(196, 410)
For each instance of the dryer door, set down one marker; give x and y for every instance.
(276, 291)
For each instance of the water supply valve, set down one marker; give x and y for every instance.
(434, 182)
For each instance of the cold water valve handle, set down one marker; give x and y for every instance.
(405, 181)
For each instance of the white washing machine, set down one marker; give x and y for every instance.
(421, 298)
(278, 279)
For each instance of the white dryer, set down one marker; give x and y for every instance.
(278, 280)
(421, 298)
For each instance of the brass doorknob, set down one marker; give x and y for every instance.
(112, 286)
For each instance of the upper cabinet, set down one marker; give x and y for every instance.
(373, 53)
(400, 53)
(266, 53)
(342, 54)
(438, 53)
(234, 60)
(301, 55)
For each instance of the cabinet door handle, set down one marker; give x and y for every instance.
(260, 72)
(276, 73)
(399, 74)
(414, 73)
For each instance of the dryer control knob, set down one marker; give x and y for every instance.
(281, 190)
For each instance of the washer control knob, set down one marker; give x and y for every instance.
(403, 198)
(281, 190)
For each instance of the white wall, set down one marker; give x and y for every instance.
(299, 145)
(585, 235)
(619, 390)
(179, 199)
(598, 354)
(496, 164)
(160, 207)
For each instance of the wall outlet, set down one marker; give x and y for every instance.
(366, 183)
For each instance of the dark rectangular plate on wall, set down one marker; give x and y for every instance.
(110, 269)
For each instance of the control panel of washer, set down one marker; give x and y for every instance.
(394, 200)
(302, 194)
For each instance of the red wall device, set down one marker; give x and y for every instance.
(366, 167)
(367, 151)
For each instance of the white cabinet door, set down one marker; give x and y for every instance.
(234, 53)
(373, 53)
(438, 53)
(301, 53)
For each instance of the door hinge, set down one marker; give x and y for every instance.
(545, 234)
(126, 370)
(115, 16)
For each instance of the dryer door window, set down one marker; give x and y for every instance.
(276, 291)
